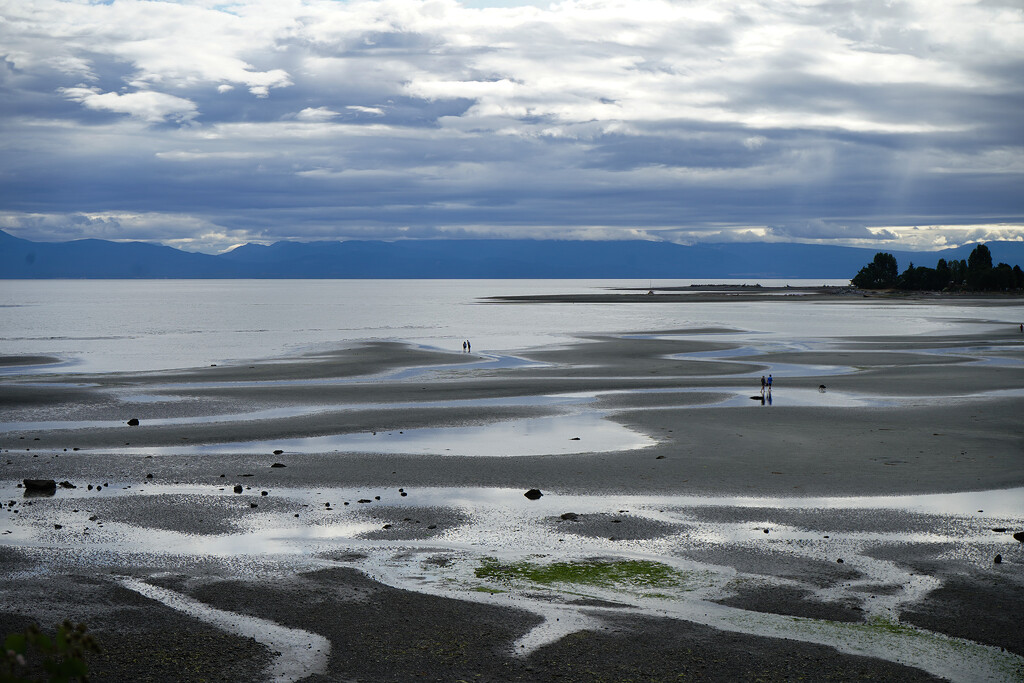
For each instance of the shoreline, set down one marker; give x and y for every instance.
(404, 539)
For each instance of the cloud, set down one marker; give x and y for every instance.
(709, 120)
(149, 106)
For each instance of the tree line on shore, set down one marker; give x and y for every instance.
(975, 274)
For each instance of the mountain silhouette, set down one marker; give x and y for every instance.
(460, 259)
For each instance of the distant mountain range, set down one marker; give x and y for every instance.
(23, 259)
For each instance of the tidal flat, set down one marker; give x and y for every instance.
(358, 513)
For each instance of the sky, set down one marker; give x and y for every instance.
(205, 124)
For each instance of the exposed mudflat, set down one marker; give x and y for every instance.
(846, 526)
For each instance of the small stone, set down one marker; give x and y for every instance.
(276, 464)
(839, 561)
(660, 457)
(238, 488)
(364, 500)
(998, 559)
(93, 518)
(67, 485)
(403, 494)
(134, 422)
(575, 438)
(149, 476)
(264, 493)
(432, 526)
(1019, 536)
(570, 516)
(278, 452)
(387, 526)
(533, 494)
(61, 526)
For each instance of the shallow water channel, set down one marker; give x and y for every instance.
(570, 558)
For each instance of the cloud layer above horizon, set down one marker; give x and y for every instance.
(204, 124)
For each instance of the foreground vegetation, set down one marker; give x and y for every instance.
(976, 274)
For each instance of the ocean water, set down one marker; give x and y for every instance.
(131, 325)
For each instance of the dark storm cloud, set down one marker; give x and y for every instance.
(204, 126)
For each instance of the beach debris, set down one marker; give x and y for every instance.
(821, 388)
(570, 516)
(999, 529)
(278, 452)
(364, 500)
(40, 487)
(279, 464)
(575, 438)
(238, 488)
(1019, 536)
(533, 494)
(67, 485)
(134, 422)
(998, 559)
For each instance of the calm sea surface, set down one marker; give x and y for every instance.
(107, 325)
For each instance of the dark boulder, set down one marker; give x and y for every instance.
(1019, 536)
(533, 494)
(134, 422)
(238, 488)
(278, 464)
(40, 487)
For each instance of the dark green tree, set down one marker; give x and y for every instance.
(881, 273)
(943, 276)
(979, 267)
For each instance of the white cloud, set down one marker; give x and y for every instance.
(316, 114)
(147, 105)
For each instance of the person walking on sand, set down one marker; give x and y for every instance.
(469, 347)
(769, 384)
(464, 346)
(762, 384)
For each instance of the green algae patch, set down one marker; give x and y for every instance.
(602, 573)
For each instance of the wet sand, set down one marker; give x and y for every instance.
(392, 581)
